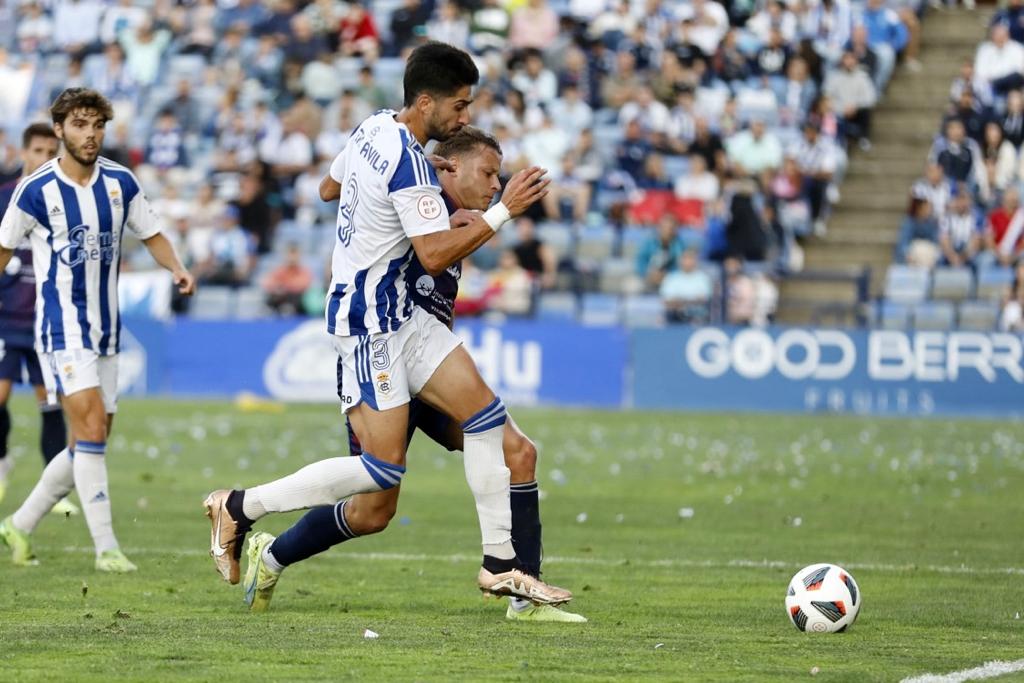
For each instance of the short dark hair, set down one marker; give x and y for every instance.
(73, 99)
(437, 69)
(37, 130)
(466, 141)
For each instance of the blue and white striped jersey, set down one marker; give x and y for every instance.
(389, 194)
(75, 233)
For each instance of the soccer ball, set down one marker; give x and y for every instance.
(823, 598)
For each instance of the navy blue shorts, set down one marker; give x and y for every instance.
(17, 361)
(423, 417)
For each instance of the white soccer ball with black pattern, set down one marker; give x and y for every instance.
(823, 598)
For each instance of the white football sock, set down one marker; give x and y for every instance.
(322, 483)
(489, 479)
(56, 481)
(93, 491)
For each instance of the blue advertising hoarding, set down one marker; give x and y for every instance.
(884, 372)
(525, 363)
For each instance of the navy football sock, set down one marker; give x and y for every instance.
(526, 525)
(5, 429)
(319, 529)
(53, 437)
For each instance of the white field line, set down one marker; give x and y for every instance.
(604, 562)
(988, 670)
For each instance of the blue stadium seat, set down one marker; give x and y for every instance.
(211, 302)
(993, 281)
(981, 316)
(675, 165)
(952, 284)
(556, 306)
(893, 315)
(558, 238)
(644, 311)
(632, 238)
(601, 310)
(934, 315)
(250, 303)
(615, 276)
(595, 243)
(906, 284)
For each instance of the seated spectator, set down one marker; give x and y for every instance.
(791, 204)
(534, 24)
(817, 157)
(450, 26)
(967, 81)
(286, 284)
(866, 57)
(933, 188)
(959, 236)
(853, 95)
(754, 151)
(698, 182)
(536, 82)
(709, 145)
(770, 61)
(918, 243)
(660, 253)
(686, 292)
(740, 293)
(1013, 119)
(652, 115)
(957, 154)
(474, 293)
(546, 145)
(535, 256)
(973, 115)
(1000, 162)
(773, 17)
(633, 151)
(569, 112)
(1012, 16)
(511, 286)
(568, 188)
(1012, 318)
(230, 259)
(1000, 61)
(654, 176)
(1004, 230)
(729, 63)
(166, 148)
(408, 19)
(887, 36)
(619, 87)
(488, 27)
(143, 49)
(746, 231)
(357, 33)
(829, 22)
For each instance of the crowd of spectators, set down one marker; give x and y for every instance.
(724, 126)
(965, 211)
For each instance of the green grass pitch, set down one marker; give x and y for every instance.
(926, 514)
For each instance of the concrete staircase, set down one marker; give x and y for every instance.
(849, 263)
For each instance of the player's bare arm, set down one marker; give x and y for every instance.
(163, 253)
(330, 189)
(5, 257)
(439, 250)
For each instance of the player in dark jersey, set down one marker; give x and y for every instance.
(469, 167)
(18, 359)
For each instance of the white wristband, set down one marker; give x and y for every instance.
(497, 216)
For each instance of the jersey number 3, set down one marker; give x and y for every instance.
(347, 210)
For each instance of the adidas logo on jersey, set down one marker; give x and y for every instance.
(99, 497)
(56, 211)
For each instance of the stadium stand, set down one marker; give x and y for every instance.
(734, 123)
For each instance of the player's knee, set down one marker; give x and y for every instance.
(521, 458)
(367, 515)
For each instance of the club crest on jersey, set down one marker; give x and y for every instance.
(429, 207)
(115, 197)
(384, 383)
(69, 371)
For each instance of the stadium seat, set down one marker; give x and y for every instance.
(676, 166)
(993, 281)
(557, 237)
(556, 306)
(644, 311)
(934, 315)
(952, 284)
(601, 310)
(632, 238)
(250, 303)
(614, 275)
(595, 243)
(906, 284)
(893, 315)
(212, 303)
(981, 316)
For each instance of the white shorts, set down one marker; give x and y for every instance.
(387, 370)
(82, 369)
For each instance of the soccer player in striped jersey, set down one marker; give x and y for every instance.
(18, 357)
(75, 209)
(473, 160)
(391, 207)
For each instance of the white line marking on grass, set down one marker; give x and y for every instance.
(606, 562)
(988, 670)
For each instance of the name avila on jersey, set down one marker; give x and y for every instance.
(370, 153)
(85, 246)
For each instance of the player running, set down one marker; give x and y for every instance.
(391, 207)
(75, 209)
(474, 160)
(18, 357)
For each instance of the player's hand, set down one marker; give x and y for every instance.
(440, 163)
(462, 218)
(524, 189)
(184, 281)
